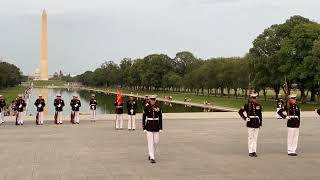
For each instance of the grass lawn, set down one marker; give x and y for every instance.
(11, 93)
(48, 83)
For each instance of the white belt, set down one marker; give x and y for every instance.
(153, 119)
(253, 116)
(293, 116)
(119, 106)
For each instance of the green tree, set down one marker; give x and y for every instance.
(10, 75)
(124, 71)
(271, 55)
(298, 50)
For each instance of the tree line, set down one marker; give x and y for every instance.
(10, 75)
(287, 53)
(184, 73)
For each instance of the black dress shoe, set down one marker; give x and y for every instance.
(255, 154)
(294, 154)
(251, 155)
(290, 154)
(153, 161)
(149, 158)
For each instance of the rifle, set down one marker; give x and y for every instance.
(287, 93)
(249, 92)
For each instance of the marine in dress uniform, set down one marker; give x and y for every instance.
(75, 106)
(119, 115)
(293, 124)
(254, 122)
(2, 109)
(58, 104)
(20, 105)
(93, 107)
(152, 125)
(280, 105)
(40, 104)
(145, 101)
(131, 107)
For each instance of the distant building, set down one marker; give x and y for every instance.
(35, 75)
(44, 49)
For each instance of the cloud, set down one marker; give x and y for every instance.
(212, 2)
(83, 34)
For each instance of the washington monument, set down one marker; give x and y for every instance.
(44, 48)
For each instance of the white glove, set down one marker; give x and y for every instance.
(20, 106)
(288, 118)
(131, 111)
(147, 104)
(144, 130)
(247, 119)
(59, 105)
(76, 105)
(39, 105)
(160, 130)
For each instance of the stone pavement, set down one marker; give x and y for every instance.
(199, 149)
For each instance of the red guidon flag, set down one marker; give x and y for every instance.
(119, 97)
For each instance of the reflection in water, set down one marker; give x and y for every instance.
(105, 102)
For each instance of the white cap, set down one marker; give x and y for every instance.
(153, 97)
(292, 96)
(0, 95)
(58, 95)
(93, 95)
(19, 95)
(40, 95)
(253, 95)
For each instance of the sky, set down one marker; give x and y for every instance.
(83, 34)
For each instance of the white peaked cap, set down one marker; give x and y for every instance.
(253, 95)
(153, 97)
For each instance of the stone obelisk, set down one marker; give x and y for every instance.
(44, 48)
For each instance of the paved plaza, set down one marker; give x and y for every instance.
(214, 147)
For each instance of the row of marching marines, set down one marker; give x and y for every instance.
(253, 118)
(151, 121)
(251, 112)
